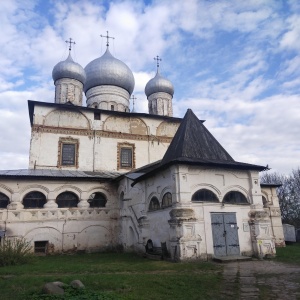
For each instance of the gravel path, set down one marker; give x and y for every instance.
(264, 280)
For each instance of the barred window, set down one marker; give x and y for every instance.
(126, 157)
(34, 200)
(97, 200)
(205, 196)
(154, 204)
(235, 198)
(67, 199)
(68, 154)
(167, 200)
(4, 200)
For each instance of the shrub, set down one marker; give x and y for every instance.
(14, 251)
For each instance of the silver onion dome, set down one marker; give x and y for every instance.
(159, 84)
(108, 70)
(69, 69)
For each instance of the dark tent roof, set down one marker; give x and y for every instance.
(192, 140)
(193, 144)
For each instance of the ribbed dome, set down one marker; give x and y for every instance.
(159, 84)
(69, 69)
(107, 70)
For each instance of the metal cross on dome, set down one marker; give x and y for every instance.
(107, 38)
(133, 98)
(70, 43)
(157, 61)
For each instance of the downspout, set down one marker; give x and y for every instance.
(94, 151)
(205, 232)
(148, 144)
(62, 239)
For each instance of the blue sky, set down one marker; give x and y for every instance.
(235, 63)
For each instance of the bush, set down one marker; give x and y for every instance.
(14, 251)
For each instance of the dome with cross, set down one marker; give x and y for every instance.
(108, 70)
(68, 69)
(159, 84)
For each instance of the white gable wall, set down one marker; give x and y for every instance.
(194, 234)
(98, 140)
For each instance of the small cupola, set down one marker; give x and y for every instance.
(69, 78)
(159, 92)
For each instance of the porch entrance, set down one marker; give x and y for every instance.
(225, 234)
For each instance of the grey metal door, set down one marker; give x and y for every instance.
(225, 234)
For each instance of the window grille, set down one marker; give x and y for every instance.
(34, 200)
(167, 200)
(68, 154)
(97, 200)
(40, 247)
(126, 157)
(234, 197)
(67, 199)
(205, 196)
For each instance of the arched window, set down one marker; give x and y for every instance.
(154, 204)
(67, 199)
(97, 200)
(34, 200)
(235, 198)
(4, 200)
(265, 201)
(167, 200)
(205, 195)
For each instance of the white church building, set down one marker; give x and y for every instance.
(101, 177)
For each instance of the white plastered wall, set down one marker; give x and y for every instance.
(183, 182)
(65, 229)
(97, 139)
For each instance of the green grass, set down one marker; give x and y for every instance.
(289, 254)
(122, 276)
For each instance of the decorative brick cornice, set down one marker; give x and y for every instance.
(100, 133)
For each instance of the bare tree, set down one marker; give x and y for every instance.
(288, 194)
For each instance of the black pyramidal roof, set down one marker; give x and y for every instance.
(193, 144)
(193, 141)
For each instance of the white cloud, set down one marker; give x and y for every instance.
(234, 63)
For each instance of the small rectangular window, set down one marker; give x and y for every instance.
(40, 247)
(126, 157)
(68, 154)
(97, 116)
(112, 107)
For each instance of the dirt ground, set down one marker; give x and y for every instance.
(263, 280)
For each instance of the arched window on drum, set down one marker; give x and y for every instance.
(204, 195)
